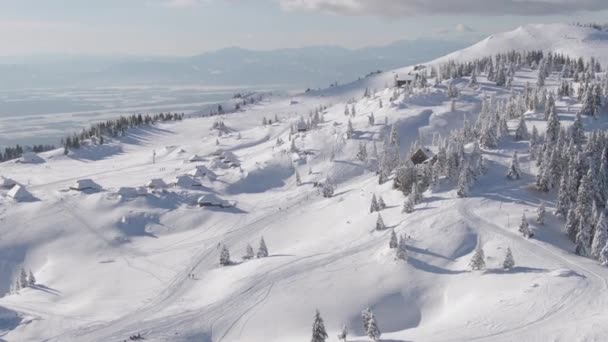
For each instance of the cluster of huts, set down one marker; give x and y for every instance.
(191, 179)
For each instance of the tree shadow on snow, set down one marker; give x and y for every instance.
(426, 267)
(516, 269)
(46, 289)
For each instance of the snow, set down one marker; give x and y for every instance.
(108, 268)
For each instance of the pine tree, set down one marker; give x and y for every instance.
(349, 130)
(374, 206)
(381, 204)
(509, 262)
(524, 227)
(225, 256)
(343, 333)
(553, 127)
(293, 147)
(248, 253)
(604, 256)
(23, 283)
(408, 207)
(402, 249)
(601, 235)
(393, 243)
(318, 329)
(31, 280)
(262, 250)
(563, 199)
(572, 224)
(584, 207)
(463, 183)
(521, 133)
(540, 213)
(380, 223)
(478, 260)
(298, 179)
(362, 154)
(514, 170)
(370, 325)
(328, 188)
(577, 132)
(473, 81)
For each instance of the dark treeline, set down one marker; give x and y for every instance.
(115, 128)
(14, 152)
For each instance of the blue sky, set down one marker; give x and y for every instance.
(184, 27)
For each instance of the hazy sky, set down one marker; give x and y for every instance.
(181, 27)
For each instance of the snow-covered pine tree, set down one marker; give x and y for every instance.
(577, 132)
(415, 195)
(540, 213)
(380, 223)
(601, 235)
(343, 333)
(349, 130)
(584, 208)
(381, 204)
(374, 205)
(319, 334)
(473, 80)
(563, 199)
(23, 279)
(370, 324)
(362, 154)
(524, 227)
(408, 206)
(572, 224)
(248, 253)
(521, 133)
(402, 249)
(604, 256)
(225, 256)
(514, 170)
(328, 188)
(393, 243)
(553, 127)
(463, 183)
(509, 262)
(31, 279)
(262, 250)
(293, 147)
(478, 261)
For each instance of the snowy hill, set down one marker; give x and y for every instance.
(571, 40)
(116, 255)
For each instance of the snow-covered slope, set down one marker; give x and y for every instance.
(571, 40)
(111, 266)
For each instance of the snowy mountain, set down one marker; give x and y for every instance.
(158, 233)
(294, 68)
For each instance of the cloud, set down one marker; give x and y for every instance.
(399, 8)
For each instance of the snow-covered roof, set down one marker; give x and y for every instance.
(7, 182)
(186, 181)
(212, 199)
(196, 158)
(202, 171)
(30, 158)
(18, 192)
(127, 192)
(156, 183)
(85, 184)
